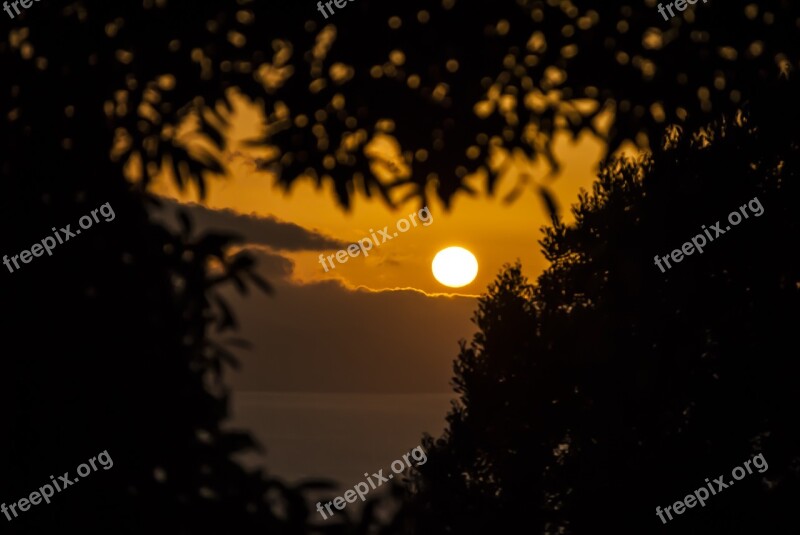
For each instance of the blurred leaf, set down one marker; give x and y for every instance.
(262, 284)
(227, 319)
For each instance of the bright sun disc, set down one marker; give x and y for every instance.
(455, 267)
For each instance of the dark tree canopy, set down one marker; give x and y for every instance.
(107, 342)
(610, 387)
(448, 80)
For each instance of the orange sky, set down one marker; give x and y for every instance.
(376, 325)
(494, 231)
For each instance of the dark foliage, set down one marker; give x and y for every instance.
(451, 81)
(613, 388)
(107, 342)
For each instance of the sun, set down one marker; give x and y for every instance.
(455, 267)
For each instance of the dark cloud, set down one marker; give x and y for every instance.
(271, 265)
(325, 337)
(278, 235)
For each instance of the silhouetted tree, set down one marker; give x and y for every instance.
(454, 81)
(451, 81)
(614, 388)
(476, 468)
(107, 341)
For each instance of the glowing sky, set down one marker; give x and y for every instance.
(494, 231)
